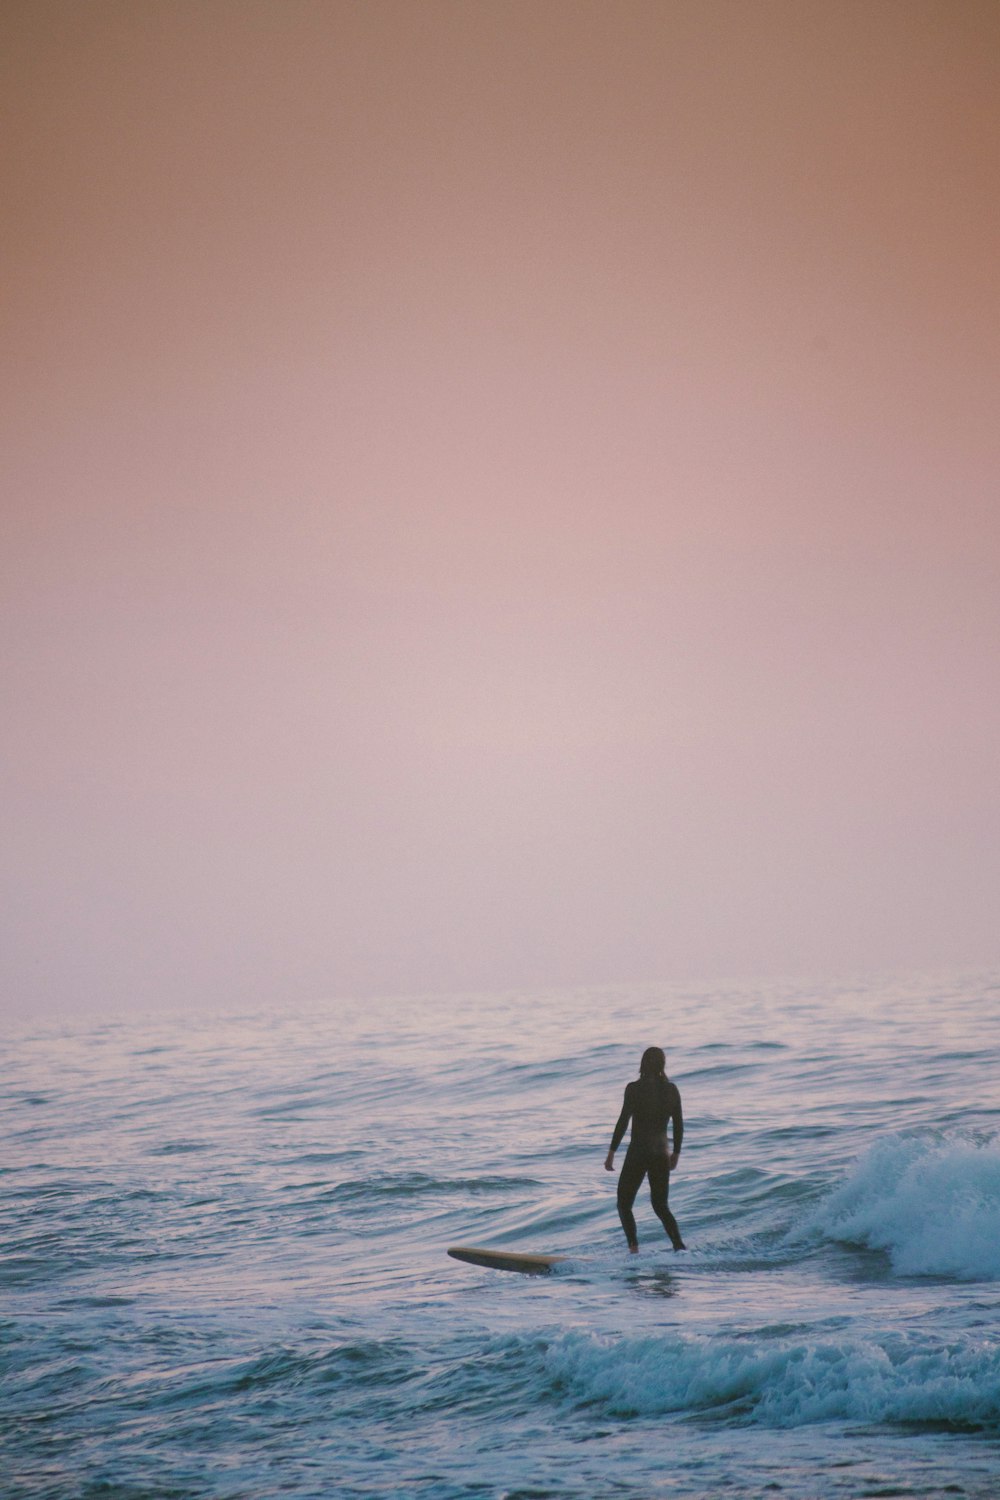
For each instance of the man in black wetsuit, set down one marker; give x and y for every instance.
(650, 1102)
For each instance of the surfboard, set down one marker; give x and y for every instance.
(506, 1260)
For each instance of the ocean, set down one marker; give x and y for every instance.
(224, 1267)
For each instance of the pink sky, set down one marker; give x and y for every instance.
(497, 493)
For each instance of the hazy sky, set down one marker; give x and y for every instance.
(496, 492)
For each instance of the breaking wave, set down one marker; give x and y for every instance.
(785, 1382)
(932, 1205)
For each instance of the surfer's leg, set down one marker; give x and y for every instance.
(659, 1187)
(629, 1181)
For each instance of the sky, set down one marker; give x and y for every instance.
(496, 494)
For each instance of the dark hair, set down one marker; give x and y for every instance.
(653, 1064)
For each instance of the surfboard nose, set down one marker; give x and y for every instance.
(506, 1260)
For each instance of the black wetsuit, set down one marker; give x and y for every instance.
(650, 1103)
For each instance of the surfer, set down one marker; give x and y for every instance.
(650, 1102)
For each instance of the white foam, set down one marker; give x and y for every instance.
(784, 1383)
(933, 1205)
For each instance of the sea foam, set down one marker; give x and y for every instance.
(932, 1204)
(784, 1383)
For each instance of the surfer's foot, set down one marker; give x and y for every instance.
(680, 1245)
(633, 1249)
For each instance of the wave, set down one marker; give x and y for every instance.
(779, 1382)
(416, 1184)
(771, 1378)
(179, 1148)
(932, 1205)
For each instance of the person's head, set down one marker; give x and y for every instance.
(654, 1064)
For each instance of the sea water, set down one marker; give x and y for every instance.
(224, 1240)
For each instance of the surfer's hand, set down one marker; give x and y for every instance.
(673, 1160)
(609, 1162)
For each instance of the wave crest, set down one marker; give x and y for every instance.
(780, 1383)
(933, 1205)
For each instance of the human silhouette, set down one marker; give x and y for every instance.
(650, 1102)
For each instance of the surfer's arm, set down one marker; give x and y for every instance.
(619, 1131)
(677, 1119)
